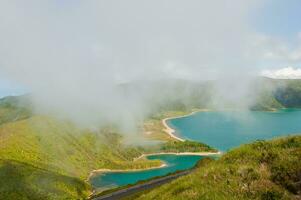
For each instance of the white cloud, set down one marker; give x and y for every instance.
(72, 54)
(284, 73)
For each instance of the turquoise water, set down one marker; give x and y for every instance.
(222, 130)
(174, 163)
(225, 130)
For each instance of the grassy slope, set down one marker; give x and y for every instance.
(41, 157)
(24, 181)
(42, 150)
(154, 129)
(261, 170)
(36, 148)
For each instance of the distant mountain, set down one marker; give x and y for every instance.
(42, 157)
(263, 94)
(14, 108)
(277, 93)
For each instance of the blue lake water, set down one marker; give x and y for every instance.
(222, 130)
(225, 130)
(174, 163)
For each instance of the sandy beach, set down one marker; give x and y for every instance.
(170, 131)
(181, 153)
(98, 171)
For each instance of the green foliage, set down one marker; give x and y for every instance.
(41, 149)
(43, 158)
(287, 174)
(186, 146)
(271, 195)
(261, 170)
(60, 155)
(43, 144)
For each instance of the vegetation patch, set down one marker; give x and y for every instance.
(261, 170)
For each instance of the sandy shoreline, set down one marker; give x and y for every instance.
(170, 131)
(98, 171)
(181, 153)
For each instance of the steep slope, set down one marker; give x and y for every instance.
(261, 170)
(24, 181)
(275, 94)
(45, 158)
(42, 157)
(58, 154)
(289, 93)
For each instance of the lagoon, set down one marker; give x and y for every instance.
(222, 130)
(228, 129)
(174, 163)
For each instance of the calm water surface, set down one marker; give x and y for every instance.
(222, 130)
(174, 163)
(225, 130)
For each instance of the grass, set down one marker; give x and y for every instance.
(153, 127)
(41, 147)
(197, 165)
(261, 170)
(23, 181)
(45, 158)
(178, 147)
(42, 157)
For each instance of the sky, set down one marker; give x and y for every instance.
(72, 54)
(277, 19)
(10, 88)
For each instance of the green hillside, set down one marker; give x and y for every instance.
(59, 149)
(289, 93)
(45, 158)
(261, 170)
(42, 157)
(274, 94)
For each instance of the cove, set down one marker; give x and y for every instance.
(228, 129)
(222, 130)
(115, 179)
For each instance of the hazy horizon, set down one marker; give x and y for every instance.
(70, 55)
